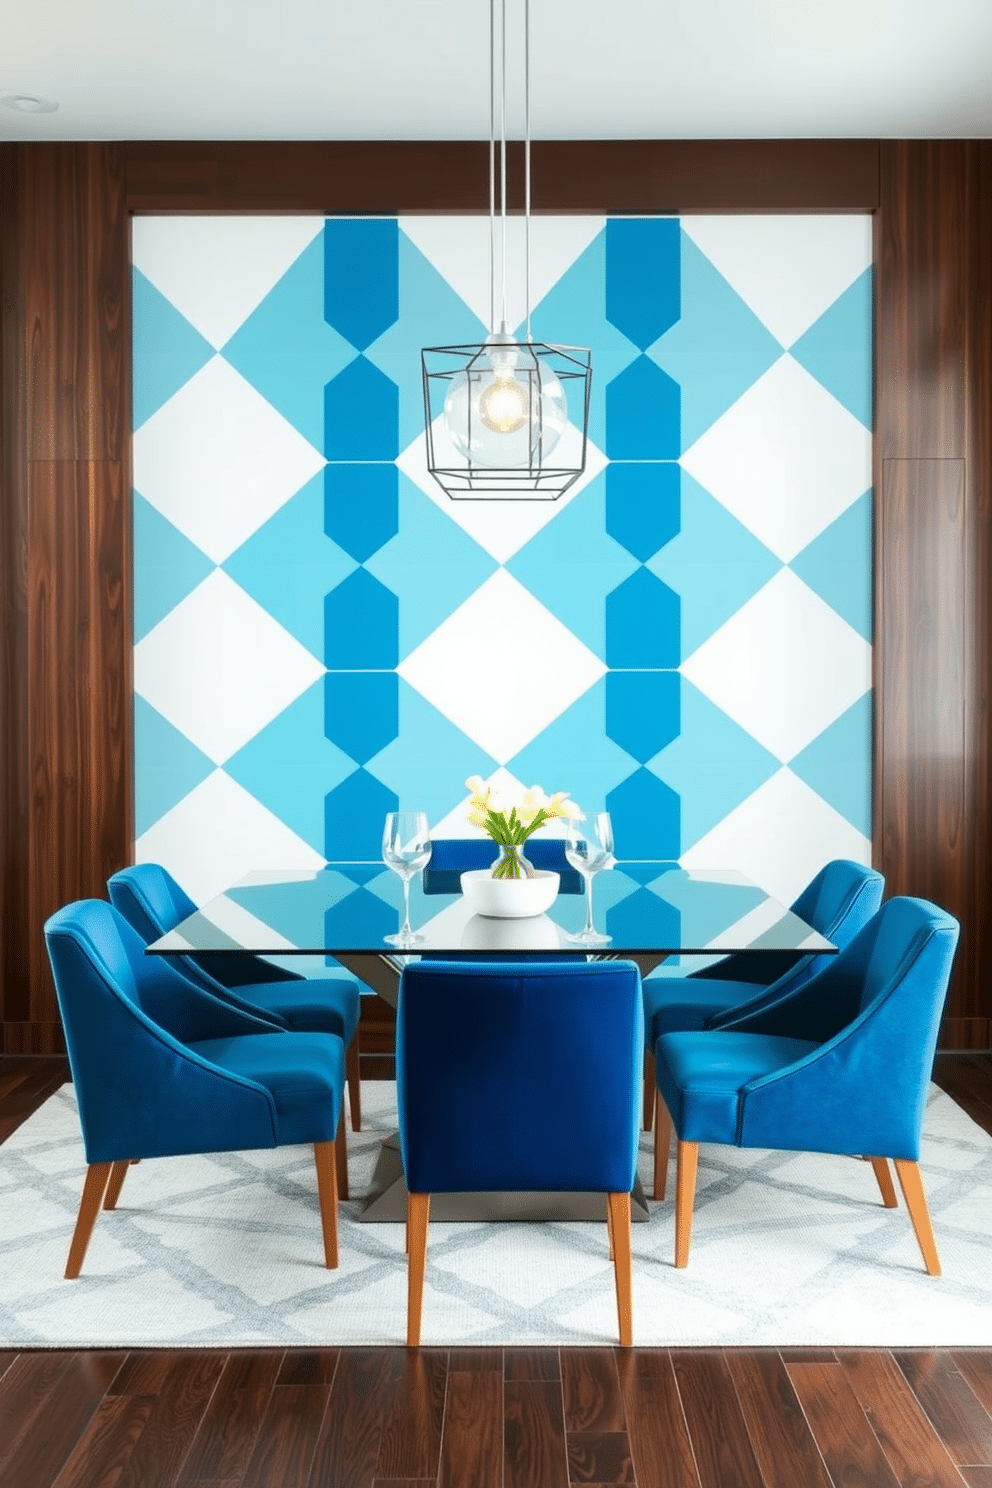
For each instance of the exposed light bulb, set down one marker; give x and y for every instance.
(504, 406)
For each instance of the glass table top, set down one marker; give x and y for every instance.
(649, 908)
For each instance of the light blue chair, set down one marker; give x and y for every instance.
(153, 904)
(838, 902)
(162, 1068)
(519, 1077)
(841, 1064)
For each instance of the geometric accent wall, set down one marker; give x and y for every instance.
(320, 633)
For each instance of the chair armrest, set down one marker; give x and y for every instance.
(817, 1010)
(190, 1013)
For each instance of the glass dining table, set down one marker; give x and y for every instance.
(656, 914)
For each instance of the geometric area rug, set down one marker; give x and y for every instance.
(224, 1250)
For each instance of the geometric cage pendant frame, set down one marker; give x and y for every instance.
(537, 461)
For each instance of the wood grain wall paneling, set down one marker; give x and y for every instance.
(921, 846)
(67, 656)
(933, 336)
(75, 285)
(922, 289)
(978, 949)
(79, 717)
(15, 975)
(635, 176)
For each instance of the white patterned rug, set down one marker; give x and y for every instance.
(222, 1251)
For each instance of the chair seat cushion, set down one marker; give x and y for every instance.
(304, 1071)
(681, 1004)
(311, 1004)
(701, 1075)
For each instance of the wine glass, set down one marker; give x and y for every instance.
(589, 848)
(406, 849)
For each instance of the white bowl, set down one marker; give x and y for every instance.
(509, 898)
(535, 933)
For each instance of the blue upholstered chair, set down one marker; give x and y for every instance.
(162, 1068)
(453, 856)
(838, 902)
(519, 1077)
(153, 904)
(841, 1065)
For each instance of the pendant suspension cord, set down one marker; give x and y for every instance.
(492, 165)
(502, 136)
(527, 163)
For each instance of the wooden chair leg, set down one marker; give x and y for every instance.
(341, 1155)
(353, 1060)
(418, 1209)
(884, 1178)
(619, 1211)
(609, 1227)
(662, 1145)
(916, 1202)
(687, 1157)
(118, 1173)
(327, 1194)
(94, 1188)
(649, 1088)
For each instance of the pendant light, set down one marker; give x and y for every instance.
(506, 419)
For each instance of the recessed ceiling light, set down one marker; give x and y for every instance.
(26, 103)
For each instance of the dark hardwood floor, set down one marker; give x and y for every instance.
(495, 1418)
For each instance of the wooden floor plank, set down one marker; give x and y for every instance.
(599, 1457)
(172, 1427)
(472, 1440)
(717, 1430)
(26, 1390)
(912, 1447)
(287, 1438)
(958, 1416)
(102, 1452)
(225, 1437)
(976, 1367)
(348, 1445)
(661, 1454)
(410, 1445)
(531, 1364)
(591, 1390)
(783, 1444)
(533, 1434)
(40, 1452)
(842, 1431)
(309, 1366)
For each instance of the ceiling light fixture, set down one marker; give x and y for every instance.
(496, 411)
(26, 103)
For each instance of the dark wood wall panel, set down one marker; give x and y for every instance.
(79, 718)
(71, 214)
(636, 176)
(66, 525)
(65, 771)
(921, 845)
(933, 605)
(15, 979)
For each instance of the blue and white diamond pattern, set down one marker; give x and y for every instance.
(321, 634)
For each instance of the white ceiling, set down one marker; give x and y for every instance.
(418, 69)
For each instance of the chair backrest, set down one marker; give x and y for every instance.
(878, 1005)
(453, 856)
(518, 1076)
(126, 1018)
(838, 902)
(149, 899)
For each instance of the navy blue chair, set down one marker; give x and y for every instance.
(841, 1064)
(162, 1068)
(153, 904)
(838, 902)
(519, 1077)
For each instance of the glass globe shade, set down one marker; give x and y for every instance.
(507, 410)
